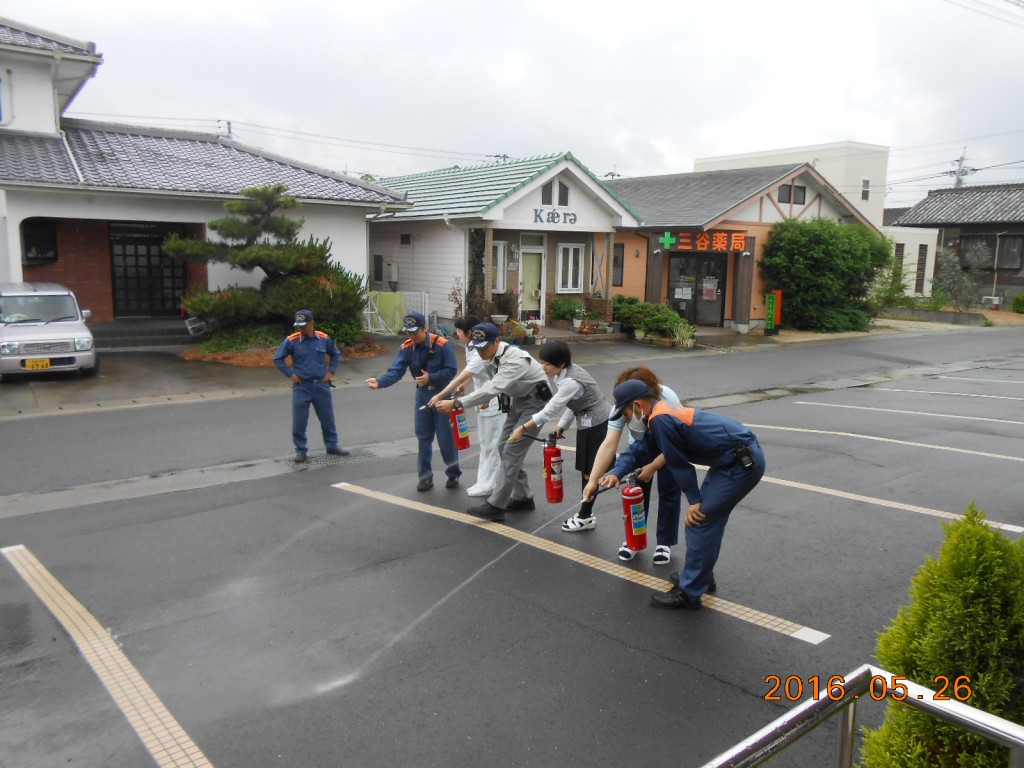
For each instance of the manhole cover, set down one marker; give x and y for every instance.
(321, 460)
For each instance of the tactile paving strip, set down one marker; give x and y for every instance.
(750, 615)
(166, 741)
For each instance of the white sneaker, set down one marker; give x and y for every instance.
(476, 490)
(577, 523)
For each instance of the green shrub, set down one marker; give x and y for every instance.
(226, 309)
(243, 339)
(965, 619)
(624, 310)
(1018, 303)
(662, 321)
(336, 297)
(568, 309)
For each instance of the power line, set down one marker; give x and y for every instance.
(1007, 18)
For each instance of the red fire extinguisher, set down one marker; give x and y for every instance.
(553, 470)
(634, 514)
(460, 428)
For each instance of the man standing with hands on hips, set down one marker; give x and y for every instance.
(688, 436)
(311, 375)
(431, 360)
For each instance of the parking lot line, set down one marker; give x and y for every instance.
(859, 436)
(749, 615)
(950, 394)
(909, 413)
(885, 503)
(166, 741)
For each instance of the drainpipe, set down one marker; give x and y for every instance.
(71, 157)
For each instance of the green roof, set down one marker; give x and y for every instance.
(472, 191)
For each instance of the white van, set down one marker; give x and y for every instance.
(42, 329)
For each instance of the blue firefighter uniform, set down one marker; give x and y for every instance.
(435, 356)
(687, 436)
(310, 362)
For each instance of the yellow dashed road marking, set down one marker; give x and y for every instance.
(166, 741)
(765, 620)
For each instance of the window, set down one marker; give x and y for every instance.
(498, 251)
(618, 259)
(547, 194)
(922, 262)
(378, 268)
(865, 190)
(405, 239)
(39, 240)
(1010, 249)
(570, 268)
(797, 193)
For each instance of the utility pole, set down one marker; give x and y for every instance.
(960, 171)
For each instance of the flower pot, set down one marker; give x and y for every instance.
(577, 322)
(499, 319)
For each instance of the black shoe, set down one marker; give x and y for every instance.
(674, 578)
(299, 457)
(488, 512)
(337, 452)
(674, 598)
(521, 505)
(424, 485)
(453, 482)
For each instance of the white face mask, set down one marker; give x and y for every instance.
(636, 423)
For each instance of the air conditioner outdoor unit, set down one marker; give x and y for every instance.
(995, 301)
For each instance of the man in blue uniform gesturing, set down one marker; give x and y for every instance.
(688, 436)
(311, 375)
(431, 360)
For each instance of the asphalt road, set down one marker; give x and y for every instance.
(333, 616)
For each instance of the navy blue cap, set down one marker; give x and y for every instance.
(302, 317)
(414, 321)
(483, 335)
(626, 393)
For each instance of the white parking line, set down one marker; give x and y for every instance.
(909, 413)
(876, 439)
(951, 394)
(750, 615)
(987, 381)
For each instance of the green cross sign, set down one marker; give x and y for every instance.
(667, 240)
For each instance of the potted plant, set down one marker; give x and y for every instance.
(518, 333)
(565, 310)
(579, 314)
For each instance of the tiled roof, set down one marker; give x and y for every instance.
(17, 35)
(992, 204)
(472, 191)
(131, 158)
(891, 215)
(695, 199)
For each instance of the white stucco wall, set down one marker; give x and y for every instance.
(29, 100)
(344, 225)
(844, 164)
(586, 214)
(912, 239)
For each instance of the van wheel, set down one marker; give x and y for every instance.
(90, 372)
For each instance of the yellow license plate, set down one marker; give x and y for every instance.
(37, 365)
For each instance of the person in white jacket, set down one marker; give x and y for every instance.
(489, 422)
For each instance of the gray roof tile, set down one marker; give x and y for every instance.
(695, 199)
(990, 204)
(18, 35)
(131, 158)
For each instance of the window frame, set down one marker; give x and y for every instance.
(499, 265)
(618, 263)
(865, 190)
(43, 232)
(563, 250)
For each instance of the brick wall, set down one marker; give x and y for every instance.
(83, 265)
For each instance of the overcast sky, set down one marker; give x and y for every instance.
(636, 88)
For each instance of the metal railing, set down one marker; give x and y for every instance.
(840, 699)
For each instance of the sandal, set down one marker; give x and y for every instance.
(662, 554)
(625, 553)
(577, 523)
